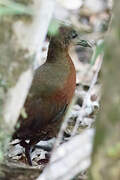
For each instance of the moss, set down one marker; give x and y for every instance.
(114, 151)
(4, 137)
(25, 2)
(106, 155)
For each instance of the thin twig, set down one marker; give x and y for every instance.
(93, 82)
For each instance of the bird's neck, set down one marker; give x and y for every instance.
(56, 49)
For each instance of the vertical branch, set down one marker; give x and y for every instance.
(21, 39)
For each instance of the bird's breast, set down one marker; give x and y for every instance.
(55, 82)
(67, 83)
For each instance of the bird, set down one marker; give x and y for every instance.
(50, 94)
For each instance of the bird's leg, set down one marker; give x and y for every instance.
(33, 143)
(27, 147)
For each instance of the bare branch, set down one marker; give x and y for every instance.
(93, 82)
(70, 159)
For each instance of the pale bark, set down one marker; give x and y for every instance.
(70, 158)
(21, 40)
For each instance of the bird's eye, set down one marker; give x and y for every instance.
(74, 34)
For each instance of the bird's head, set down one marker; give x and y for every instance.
(67, 35)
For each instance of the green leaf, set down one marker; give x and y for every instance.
(53, 27)
(23, 113)
(99, 49)
(11, 8)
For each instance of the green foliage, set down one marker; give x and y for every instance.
(2, 83)
(11, 8)
(114, 151)
(99, 49)
(23, 113)
(4, 137)
(53, 27)
(1, 156)
(2, 94)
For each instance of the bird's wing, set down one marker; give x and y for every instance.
(40, 115)
(60, 113)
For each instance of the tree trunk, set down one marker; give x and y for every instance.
(21, 39)
(106, 153)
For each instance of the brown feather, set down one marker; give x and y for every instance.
(51, 91)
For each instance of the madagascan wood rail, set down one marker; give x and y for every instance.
(51, 91)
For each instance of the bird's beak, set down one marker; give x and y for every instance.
(84, 43)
